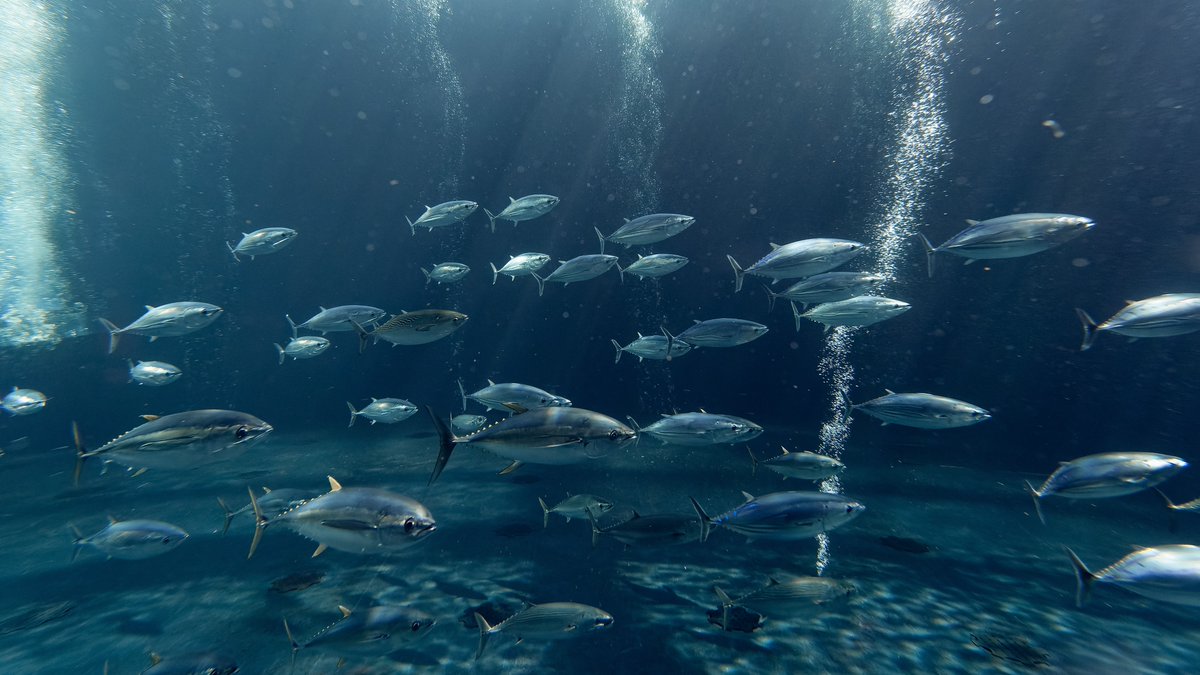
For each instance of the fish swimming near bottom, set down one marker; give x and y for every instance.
(386, 410)
(132, 539)
(654, 529)
(375, 630)
(271, 503)
(1168, 573)
(790, 596)
(1108, 474)
(549, 621)
(194, 663)
(575, 506)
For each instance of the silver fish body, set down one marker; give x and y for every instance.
(579, 268)
(791, 596)
(827, 287)
(375, 630)
(264, 241)
(798, 259)
(415, 328)
(1104, 475)
(862, 310)
(922, 411)
(386, 410)
(23, 401)
(153, 373)
(654, 529)
(134, 539)
(648, 229)
(170, 320)
(501, 396)
(1167, 573)
(722, 332)
(549, 621)
(701, 428)
(525, 208)
(446, 273)
(467, 424)
(784, 516)
(1160, 316)
(1012, 236)
(655, 347)
(303, 347)
(446, 213)
(656, 265)
(523, 265)
(271, 503)
(341, 318)
(575, 506)
(802, 465)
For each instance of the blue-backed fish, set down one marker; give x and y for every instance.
(441, 215)
(261, 242)
(549, 621)
(525, 208)
(386, 410)
(783, 516)
(303, 347)
(340, 318)
(798, 259)
(131, 539)
(1168, 573)
(1012, 236)
(921, 411)
(648, 229)
(859, 311)
(1160, 316)
(802, 465)
(170, 320)
(23, 401)
(507, 394)
(1108, 474)
(153, 373)
(700, 428)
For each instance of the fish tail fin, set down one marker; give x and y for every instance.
(353, 414)
(81, 452)
(292, 324)
(738, 274)
(617, 346)
(601, 237)
(463, 393)
(291, 640)
(495, 273)
(929, 252)
(753, 462)
(446, 443)
(484, 631)
(260, 524)
(1089, 329)
(797, 316)
(1037, 501)
(491, 220)
(771, 295)
(595, 527)
(229, 513)
(705, 521)
(78, 542)
(1083, 579)
(114, 334)
(670, 339)
(726, 605)
(1172, 523)
(362, 336)
(633, 423)
(545, 513)
(428, 276)
(621, 272)
(540, 282)
(411, 226)
(233, 251)
(279, 349)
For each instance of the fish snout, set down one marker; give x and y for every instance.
(602, 622)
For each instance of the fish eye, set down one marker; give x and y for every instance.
(849, 509)
(241, 433)
(166, 540)
(416, 626)
(408, 525)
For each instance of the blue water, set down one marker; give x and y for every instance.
(141, 137)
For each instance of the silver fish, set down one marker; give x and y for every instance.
(179, 440)
(340, 318)
(525, 208)
(922, 411)
(467, 424)
(1109, 474)
(446, 213)
(652, 347)
(656, 265)
(375, 630)
(802, 465)
(549, 621)
(304, 347)
(169, 320)
(194, 663)
(446, 273)
(386, 410)
(261, 242)
(790, 596)
(701, 428)
(579, 268)
(1160, 316)
(414, 328)
(522, 265)
(23, 401)
(648, 229)
(655, 529)
(555, 436)
(354, 520)
(575, 506)
(153, 373)
(798, 259)
(720, 333)
(502, 396)
(1168, 573)
(827, 287)
(783, 516)
(271, 503)
(1012, 236)
(132, 539)
(862, 310)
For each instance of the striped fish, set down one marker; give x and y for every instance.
(791, 595)
(783, 516)
(549, 621)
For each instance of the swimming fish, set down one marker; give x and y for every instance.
(386, 410)
(802, 465)
(501, 396)
(700, 428)
(826, 287)
(652, 347)
(1012, 236)
(340, 318)
(798, 259)
(169, 320)
(446, 273)
(375, 630)
(654, 529)
(304, 347)
(446, 213)
(467, 424)
(656, 265)
(413, 328)
(271, 503)
(525, 208)
(549, 621)
(153, 373)
(1160, 316)
(1108, 474)
(722, 332)
(522, 265)
(575, 506)
(791, 596)
(261, 242)
(23, 401)
(783, 516)
(648, 229)
(921, 411)
(862, 310)
(579, 268)
(193, 663)
(1168, 573)
(131, 539)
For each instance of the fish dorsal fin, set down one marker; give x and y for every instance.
(490, 383)
(426, 207)
(149, 418)
(511, 200)
(518, 409)
(636, 515)
(345, 611)
(1130, 302)
(639, 256)
(625, 219)
(695, 321)
(155, 658)
(149, 308)
(334, 486)
(772, 581)
(639, 335)
(774, 246)
(972, 222)
(785, 450)
(320, 549)
(703, 411)
(1063, 463)
(749, 497)
(373, 399)
(663, 415)
(266, 490)
(890, 392)
(112, 520)
(320, 308)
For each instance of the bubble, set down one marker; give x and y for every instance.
(335, 92)
(234, 73)
(267, 22)
(753, 211)
(986, 99)
(566, 315)
(361, 115)
(976, 70)
(1081, 262)
(521, 169)
(121, 84)
(766, 41)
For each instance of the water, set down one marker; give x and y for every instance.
(140, 138)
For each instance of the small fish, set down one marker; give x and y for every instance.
(523, 265)
(652, 347)
(23, 401)
(131, 539)
(1168, 573)
(549, 621)
(446, 273)
(648, 229)
(802, 258)
(386, 410)
(802, 465)
(153, 373)
(340, 318)
(579, 268)
(862, 310)
(501, 396)
(262, 242)
(304, 347)
(272, 502)
(701, 428)
(1109, 474)
(467, 424)
(446, 213)
(656, 265)
(827, 287)
(1015, 648)
(297, 581)
(195, 663)
(1012, 236)
(655, 529)
(169, 320)
(720, 333)
(575, 506)
(525, 208)
(376, 630)
(922, 411)
(1160, 316)
(791, 596)
(783, 516)
(414, 328)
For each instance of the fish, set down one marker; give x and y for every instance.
(1011, 236)
(1108, 474)
(467, 424)
(413, 328)
(719, 333)
(1168, 573)
(549, 621)
(783, 516)
(555, 436)
(296, 581)
(921, 411)
(700, 428)
(131, 539)
(446, 213)
(525, 208)
(655, 529)
(386, 410)
(648, 229)
(656, 265)
(579, 268)
(575, 506)
(261, 242)
(170, 320)
(304, 347)
(502, 396)
(826, 287)
(271, 502)
(153, 373)
(790, 596)
(180, 440)
(653, 347)
(802, 465)
(340, 318)
(375, 630)
(23, 401)
(194, 663)
(523, 265)
(802, 258)
(353, 520)
(446, 273)
(1161, 316)
(862, 310)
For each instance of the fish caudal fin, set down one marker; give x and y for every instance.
(595, 528)
(495, 273)
(81, 452)
(446, 443)
(484, 631)
(771, 295)
(229, 514)
(621, 272)
(279, 349)
(796, 315)
(78, 542)
(929, 252)
(540, 282)
(114, 334)
(260, 524)
(353, 414)
(1089, 329)
(738, 274)
(292, 324)
(233, 251)
(429, 277)
(726, 605)
(1172, 522)
(545, 513)
(705, 521)
(1037, 501)
(617, 346)
(411, 226)
(462, 392)
(670, 339)
(601, 237)
(753, 462)
(491, 220)
(1083, 579)
(362, 336)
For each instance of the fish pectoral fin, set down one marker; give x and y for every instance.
(510, 468)
(320, 549)
(570, 627)
(514, 407)
(352, 525)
